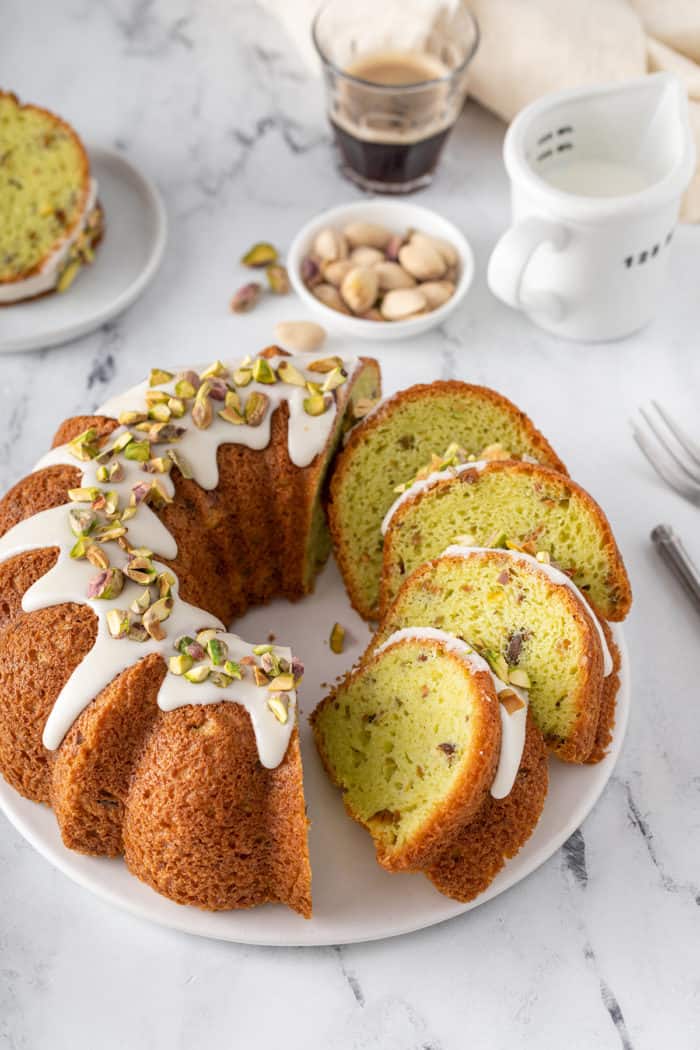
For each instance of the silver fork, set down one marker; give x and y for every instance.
(672, 453)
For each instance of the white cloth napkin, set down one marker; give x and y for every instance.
(531, 47)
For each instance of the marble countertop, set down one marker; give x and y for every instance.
(600, 947)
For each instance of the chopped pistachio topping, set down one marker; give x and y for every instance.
(278, 706)
(159, 376)
(337, 638)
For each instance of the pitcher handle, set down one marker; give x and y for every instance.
(509, 261)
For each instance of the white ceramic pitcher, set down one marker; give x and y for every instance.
(597, 176)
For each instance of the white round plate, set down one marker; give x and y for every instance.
(125, 263)
(353, 898)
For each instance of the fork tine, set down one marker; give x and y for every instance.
(662, 438)
(690, 446)
(666, 471)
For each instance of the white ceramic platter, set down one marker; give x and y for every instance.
(125, 263)
(353, 898)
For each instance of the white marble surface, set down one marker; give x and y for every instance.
(601, 947)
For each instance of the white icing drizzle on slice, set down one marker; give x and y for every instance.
(67, 581)
(552, 573)
(512, 725)
(46, 279)
(427, 483)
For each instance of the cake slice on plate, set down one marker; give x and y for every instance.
(394, 443)
(427, 743)
(533, 626)
(524, 505)
(50, 218)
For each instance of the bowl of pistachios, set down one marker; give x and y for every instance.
(381, 270)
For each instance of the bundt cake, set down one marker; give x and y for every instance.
(390, 447)
(50, 219)
(121, 557)
(533, 626)
(504, 503)
(426, 744)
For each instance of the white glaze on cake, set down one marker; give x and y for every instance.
(67, 580)
(512, 725)
(552, 573)
(427, 483)
(47, 277)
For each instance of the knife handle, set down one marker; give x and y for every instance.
(675, 555)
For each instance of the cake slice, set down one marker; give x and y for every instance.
(534, 627)
(426, 742)
(391, 446)
(521, 505)
(50, 220)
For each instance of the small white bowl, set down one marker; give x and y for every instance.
(398, 216)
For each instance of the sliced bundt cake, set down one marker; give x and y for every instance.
(123, 702)
(501, 503)
(532, 625)
(393, 444)
(422, 738)
(50, 221)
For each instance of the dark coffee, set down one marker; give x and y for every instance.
(392, 161)
(391, 137)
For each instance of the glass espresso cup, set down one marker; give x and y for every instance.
(396, 78)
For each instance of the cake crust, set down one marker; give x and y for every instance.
(469, 788)
(498, 832)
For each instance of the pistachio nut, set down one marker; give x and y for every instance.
(366, 256)
(330, 244)
(282, 683)
(310, 271)
(263, 372)
(159, 376)
(256, 408)
(422, 260)
(437, 292)
(369, 233)
(97, 556)
(289, 374)
(216, 370)
(243, 376)
(316, 404)
(438, 244)
(197, 674)
(402, 303)
(359, 289)
(337, 638)
(391, 275)
(278, 707)
(118, 623)
(299, 335)
(278, 279)
(334, 272)
(334, 379)
(179, 664)
(261, 254)
(245, 298)
(330, 297)
(106, 585)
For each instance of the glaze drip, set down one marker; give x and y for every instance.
(71, 577)
(513, 724)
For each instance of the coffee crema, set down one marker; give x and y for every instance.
(393, 137)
